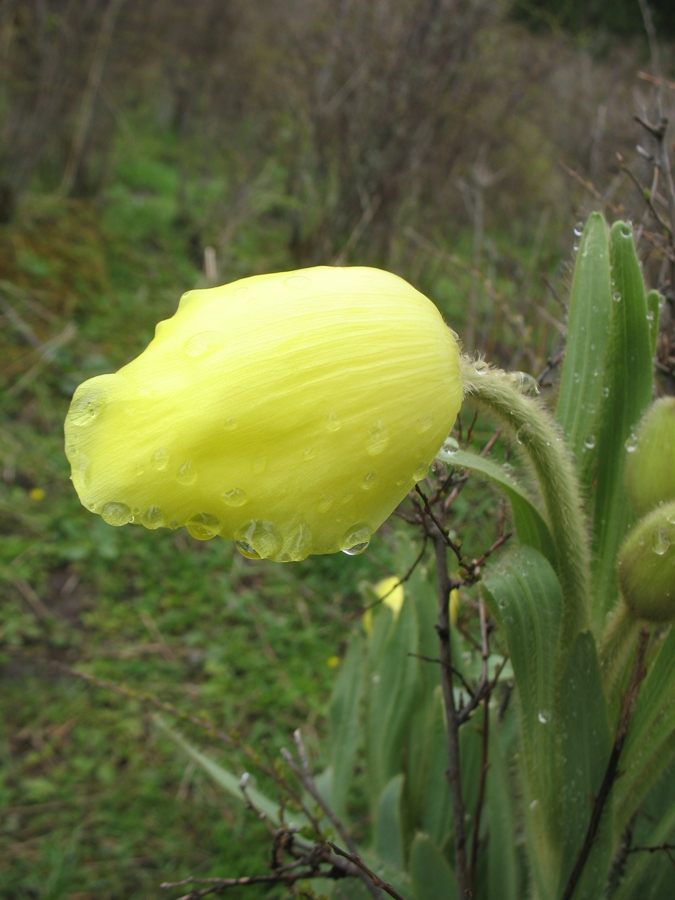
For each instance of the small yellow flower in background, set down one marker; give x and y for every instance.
(454, 605)
(290, 413)
(389, 591)
(36, 494)
(333, 662)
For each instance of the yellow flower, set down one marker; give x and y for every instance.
(290, 413)
(389, 591)
(36, 494)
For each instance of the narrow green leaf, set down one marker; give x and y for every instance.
(436, 816)
(431, 875)
(345, 719)
(585, 745)
(650, 742)
(228, 781)
(653, 312)
(530, 524)
(587, 334)
(389, 824)
(502, 857)
(640, 865)
(627, 384)
(393, 688)
(525, 597)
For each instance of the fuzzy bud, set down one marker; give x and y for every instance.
(650, 465)
(646, 566)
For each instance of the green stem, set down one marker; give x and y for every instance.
(496, 391)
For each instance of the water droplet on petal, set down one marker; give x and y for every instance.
(203, 526)
(116, 514)
(263, 537)
(631, 443)
(235, 497)
(369, 481)
(160, 459)
(230, 424)
(86, 408)
(356, 540)
(544, 716)
(333, 423)
(203, 343)
(421, 471)
(246, 550)
(153, 518)
(297, 282)
(589, 443)
(503, 602)
(660, 541)
(298, 545)
(309, 453)
(186, 473)
(616, 297)
(579, 229)
(426, 423)
(480, 367)
(378, 439)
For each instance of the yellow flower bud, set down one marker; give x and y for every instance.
(650, 465)
(646, 566)
(290, 413)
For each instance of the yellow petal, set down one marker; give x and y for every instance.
(288, 412)
(390, 591)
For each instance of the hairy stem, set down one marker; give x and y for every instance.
(492, 389)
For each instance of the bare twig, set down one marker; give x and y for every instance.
(304, 774)
(444, 586)
(358, 862)
(627, 703)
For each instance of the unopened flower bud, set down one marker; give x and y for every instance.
(650, 465)
(646, 566)
(290, 413)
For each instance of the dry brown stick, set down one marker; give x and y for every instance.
(358, 862)
(444, 586)
(304, 774)
(627, 703)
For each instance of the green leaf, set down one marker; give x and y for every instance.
(627, 383)
(585, 746)
(389, 825)
(345, 717)
(587, 336)
(393, 689)
(653, 312)
(431, 875)
(525, 597)
(502, 858)
(650, 741)
(530, 524)
(229, 782)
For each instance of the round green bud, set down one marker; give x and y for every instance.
(646, 566)
(650, 464)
